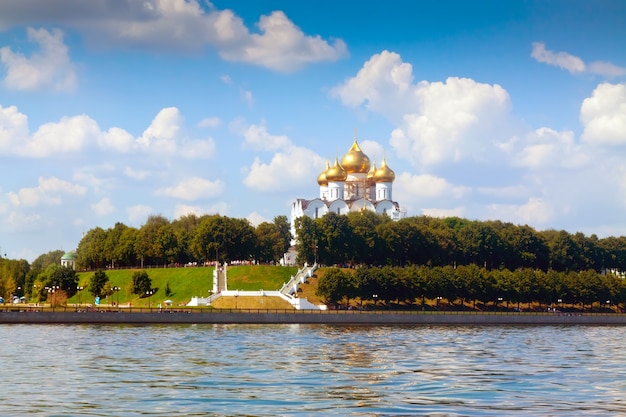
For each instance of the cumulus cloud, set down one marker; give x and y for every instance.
(438, 121)
(164, 137)
(49, 68)
(256, 219)
(574, 64)
(103, 207)
(193, 189)
(281, 45)
(138, 213)
(49, 191)
(604, 115)
(548, 149)
(287, 170)
(257, 138)
(181, 25)
(535, 211)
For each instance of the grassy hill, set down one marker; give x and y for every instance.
(185, 283)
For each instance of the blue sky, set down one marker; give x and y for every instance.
(112, 111)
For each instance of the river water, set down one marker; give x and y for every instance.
(301, 370)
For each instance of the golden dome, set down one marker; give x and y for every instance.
(371, 172)
(336, 173)
(321, 179)
(384, 173)
(355, 161)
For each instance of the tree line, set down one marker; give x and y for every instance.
(189, 239)
(472, 284)
(365, 238)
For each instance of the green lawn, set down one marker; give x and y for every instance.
(184, 283)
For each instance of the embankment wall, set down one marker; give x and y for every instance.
(322, 317)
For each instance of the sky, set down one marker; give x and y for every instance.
(112, 111)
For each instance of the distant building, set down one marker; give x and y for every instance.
(69, 259)
(353, 184)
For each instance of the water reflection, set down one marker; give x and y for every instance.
(306, 369)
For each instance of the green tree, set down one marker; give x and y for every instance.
(332, 286)
(97, 283)
(91, 251)
(141, 282)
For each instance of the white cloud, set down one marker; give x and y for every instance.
(443, 213)
(139, 213)
(22, 222)
(70, 134)
(563, 60)
(247, 96)
(116, 139)
(210, 122)
(604, 115)
(182, 26)
(574, 64)
(193, 189)
(217, 208)
(256, 219)
(136, 174)
(164, 137)
(428, 186)
(49, 191)
(103, 207)
(257, 138)
(49, 68)
(438, 122)
(547, 149)
(281, 45)
(13, 128)
(535, 211)
(287, 170)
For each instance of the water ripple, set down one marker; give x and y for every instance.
(300, 370)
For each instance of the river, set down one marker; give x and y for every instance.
(302, 370)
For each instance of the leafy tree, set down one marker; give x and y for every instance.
(42, 261)
(333, 285)
(335, 237)
(91, 251)
(141, 282)
(308, 239)
(97, 283)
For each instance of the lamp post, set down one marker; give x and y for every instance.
(210, 294)
(375, 298)
(79, 289)
(117, 290)
(149, 294)
(51, 291)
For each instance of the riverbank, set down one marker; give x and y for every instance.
(308, 317)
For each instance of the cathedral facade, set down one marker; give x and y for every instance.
(352, 184)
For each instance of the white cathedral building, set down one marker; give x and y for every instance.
(353, 184)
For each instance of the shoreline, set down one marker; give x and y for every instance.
(326, 317)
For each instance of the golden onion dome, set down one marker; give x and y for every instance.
(336, 173)
(321, 179)
(371, 172)
(355, 161)
(384, 173)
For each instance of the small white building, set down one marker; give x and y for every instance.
(69, 259)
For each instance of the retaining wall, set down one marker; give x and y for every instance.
(315, 317)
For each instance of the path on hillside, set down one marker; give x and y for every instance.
(221, 280)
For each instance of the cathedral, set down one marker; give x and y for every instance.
(353, 184)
